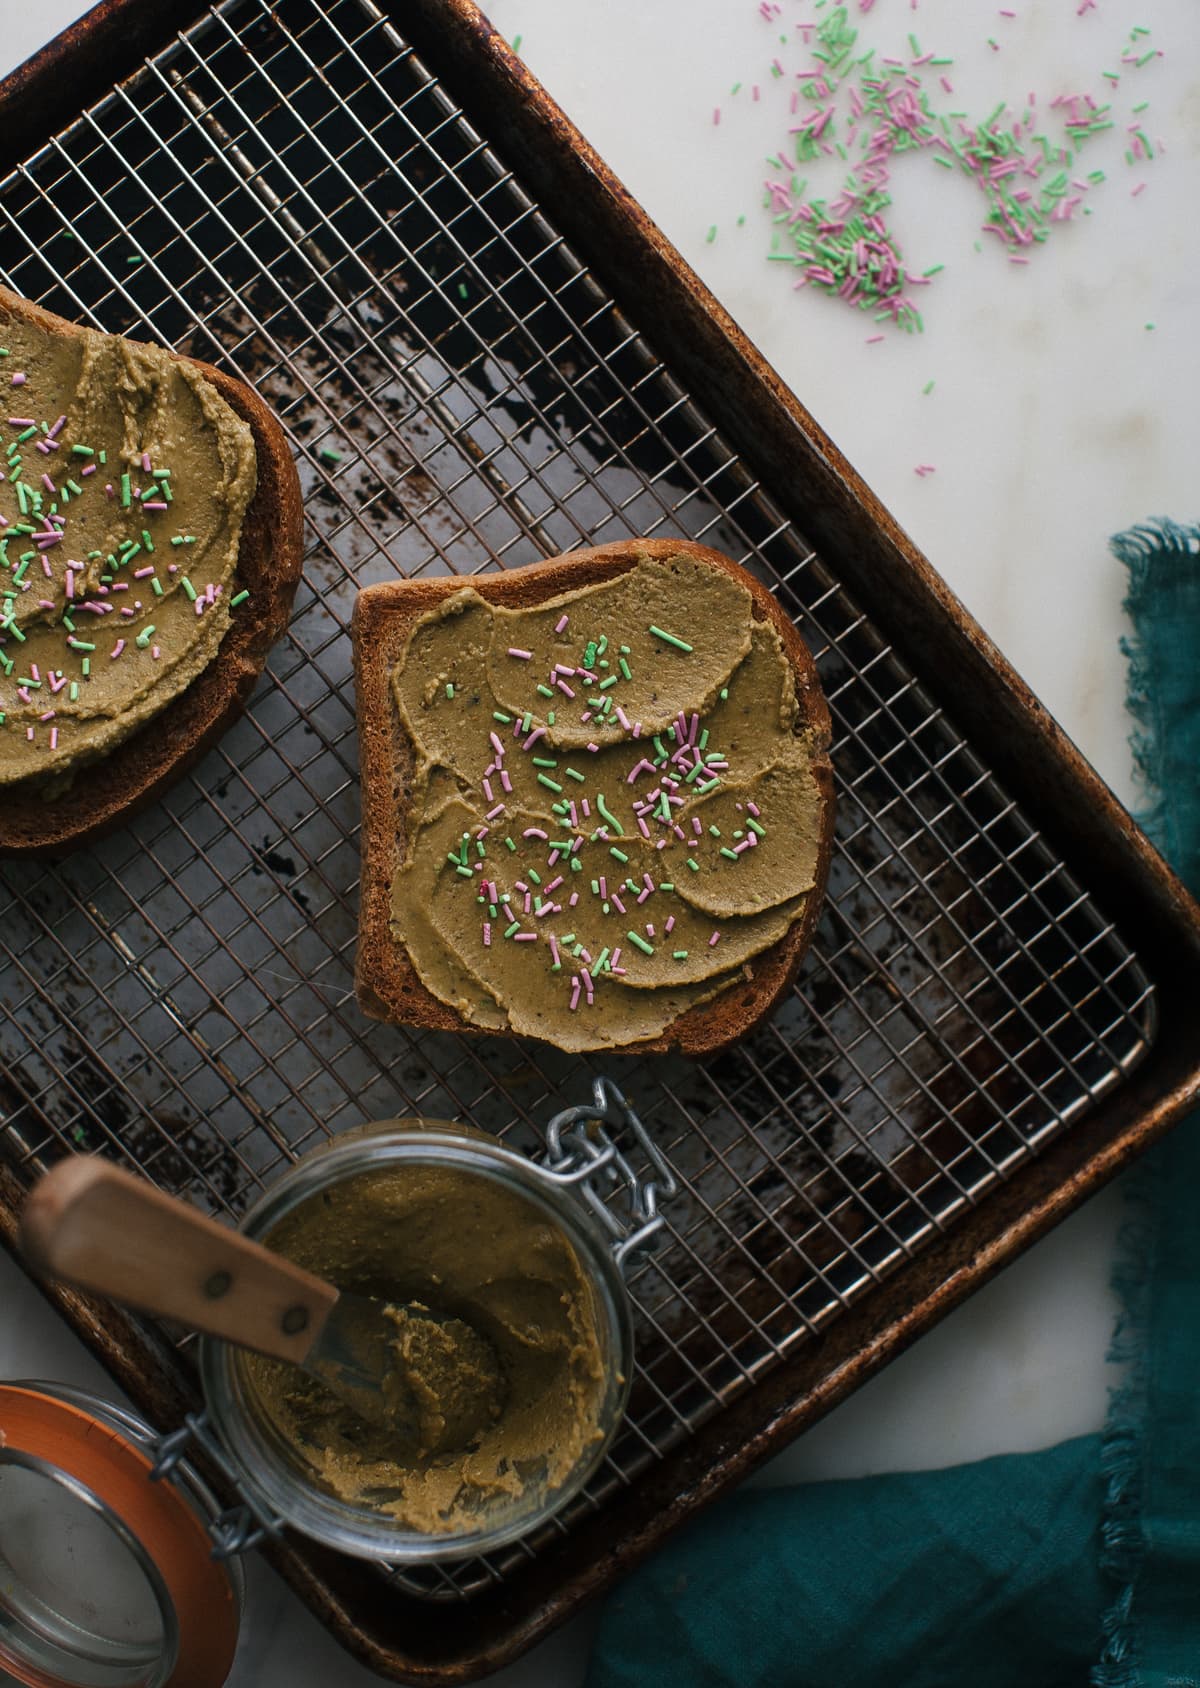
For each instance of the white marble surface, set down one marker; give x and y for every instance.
(1057, 418)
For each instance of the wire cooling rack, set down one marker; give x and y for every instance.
(287, 192)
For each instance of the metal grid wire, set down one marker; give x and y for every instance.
(287, 192)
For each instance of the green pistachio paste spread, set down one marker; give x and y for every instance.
(126, 479)
(496, 1350)
(613, 810)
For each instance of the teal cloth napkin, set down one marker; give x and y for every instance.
(1051, 1570)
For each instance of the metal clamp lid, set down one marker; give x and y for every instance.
(581, 1153)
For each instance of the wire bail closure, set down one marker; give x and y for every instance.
(241, 1526)
(581, 1153)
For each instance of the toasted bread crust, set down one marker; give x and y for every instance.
(387, 985)
(148, 762)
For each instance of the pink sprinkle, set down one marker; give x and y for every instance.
(586, 716)
(56, 430)
(29, 734)
(622, 718)
(603, 888)
(947, 84)
(108, 490)
(561, 623)
(670, 923)
(561, 668)
(19, 379)
(54, 738)
(618, 903)
(554, 950)
(593, 748)
(567, 692)
(496, 745)
(118, 648)
(127, 612)
(487, 933)
(554, 883)
(48, 716)
(494, 813)
(649, 928)
(523, 656)
(874, 339)
(1141, 188)
(88, 469)
(35, 671)
(535, 735)
(717, 113)
(525, 937)
(713, 939)
(487, 790)
(575, 988)
(536, 832)
(154, 505)
(572, 899)
(504, 779)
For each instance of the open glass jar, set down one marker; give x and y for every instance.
(533, 1252)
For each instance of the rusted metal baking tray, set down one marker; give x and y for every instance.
(485, 353)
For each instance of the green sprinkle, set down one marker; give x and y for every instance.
(544, 691)
(144, 637)
(126, 494)
(724, 693)
(601, 961)
(499, 715)
(27, 434)
(104, 457)
(464, 872)
(134, 258)
(240, 597)
(86, 666)
(517, 40)
(527, 721)
(759, 831)
(82, 451)
(624, 667)
(611, 681)
(928, 387)
(327, 454)
(509, 845)
(449, 688)
(695, 866)
(576, 865)
(515, 927)
(551, 785)
(636, 938)
(544, 761)
(573, 773)
(670, 639)
(462, 290)
(188, 587)
(625, 650)
(535, 876)
(73, 691)
(715, 830)
(679, 955)
(78, 645)
(732, 854)
(146, 539)
(712, 233)
(549, 717)
(607, 814)
(619, 854)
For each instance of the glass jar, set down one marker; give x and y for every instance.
(566, 1195)
(107, 1578)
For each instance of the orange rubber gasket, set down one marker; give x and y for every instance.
(156, 1514)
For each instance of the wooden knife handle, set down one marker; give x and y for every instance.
(99, 1227)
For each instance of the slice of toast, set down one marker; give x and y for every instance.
(36, 820)
(388, 984)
